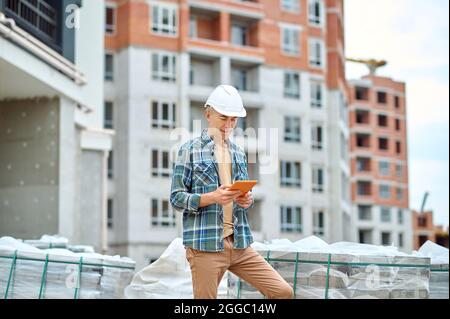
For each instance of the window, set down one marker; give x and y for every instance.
(162, 215)
(110, 20)
(384, 168)
(382, 120)
(193, 27)
(381, 97)
(363, 164)
(422, 221)
(290, 38)
(363, 188)
(362, 117)
(291, 5)
(362, 93)
(317, 179)
(385, 214)
(109, 67)
(362, 140)
(365, 236)
(398, 147)
(422, 240)
(164, 19)
(316, 137)
(385, 238)
(400, 216)
(239, 78)
(160, 163)
(291, 219)
(316, 53)
(364, 212)
(344, 147)
(239, 34)
(398, 170)
(242, 123)
(110, 220)
(399, 193)
(315, 12)
(397, 124)
(110, 165)
(385, 191)
(108, 120)
(292, 85)
(316, 95)
(318, 223)
(292, 129)
(164, 67)
(290, 174)
(345, 187)
(400, 240)
(397, 102)
(383, 144)
(163, 115)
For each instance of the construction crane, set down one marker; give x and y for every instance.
(424, 200)
(372, 64)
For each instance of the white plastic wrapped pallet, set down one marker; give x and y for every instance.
(169, 277)
(341, 270)
(27, 272)
(439, 268)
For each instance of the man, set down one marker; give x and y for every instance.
(216, 233)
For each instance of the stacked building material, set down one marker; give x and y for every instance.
(27, 272)
(335, 274)
(439, 268)
(439, 281)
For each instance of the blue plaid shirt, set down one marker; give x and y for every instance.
(195, 173)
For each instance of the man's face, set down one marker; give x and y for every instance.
(222, 123)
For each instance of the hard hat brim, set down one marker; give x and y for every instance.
(242, 113)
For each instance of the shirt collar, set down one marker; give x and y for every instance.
(209, 142)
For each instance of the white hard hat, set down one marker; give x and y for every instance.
(226, 100)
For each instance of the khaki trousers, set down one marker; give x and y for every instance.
(208, 268)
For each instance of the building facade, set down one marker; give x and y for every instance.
(163, 59)
(379, 162)
(424, 229)
(53, 148)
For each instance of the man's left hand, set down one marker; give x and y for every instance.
(245, 200)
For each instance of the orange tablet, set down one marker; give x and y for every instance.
(243, 186)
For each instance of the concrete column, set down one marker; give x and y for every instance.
(224, 27)
(225, 68)
(184, 105)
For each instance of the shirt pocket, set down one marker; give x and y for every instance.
(204, 174)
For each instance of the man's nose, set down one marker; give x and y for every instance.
(230, 123)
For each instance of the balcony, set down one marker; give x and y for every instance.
(364, 189)
(363, 141)
(44, 21)
(234, 31)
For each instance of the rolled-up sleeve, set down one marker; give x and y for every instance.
(181, 197)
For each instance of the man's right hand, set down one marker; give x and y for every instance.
(222, 196)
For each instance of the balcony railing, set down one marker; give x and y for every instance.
(36, 15)
(44, 20)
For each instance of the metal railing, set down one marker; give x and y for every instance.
(37, 15)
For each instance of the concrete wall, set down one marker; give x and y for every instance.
(29, 161)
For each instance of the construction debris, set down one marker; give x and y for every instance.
(28, 272)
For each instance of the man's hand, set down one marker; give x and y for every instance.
(223, 195)
(245, 200)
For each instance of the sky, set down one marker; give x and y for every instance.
(413, 37)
